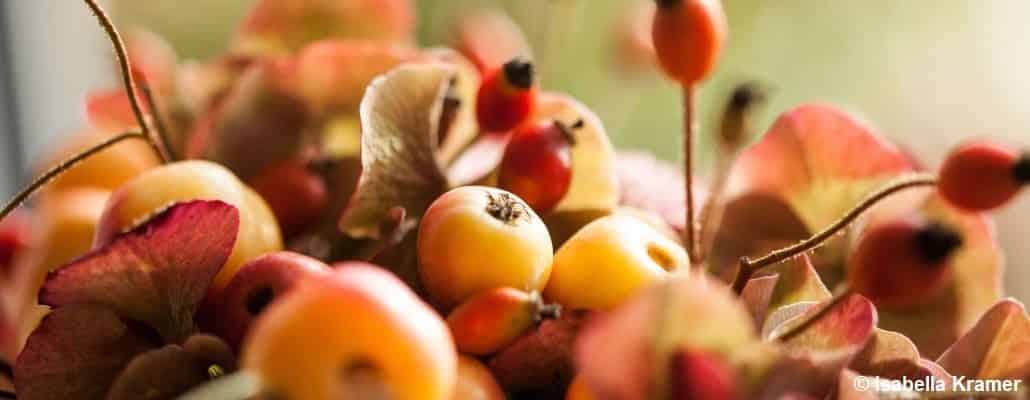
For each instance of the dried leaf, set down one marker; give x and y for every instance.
(75, 353)
(399, 117)
(155, 274)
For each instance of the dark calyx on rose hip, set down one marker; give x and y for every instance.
(936, 242)
(520, 73)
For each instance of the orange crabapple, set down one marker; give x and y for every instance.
(902, 262)
(358, 332)
(537, 164)
(507, 96)
(157, 188)
(476, 238)
(105, 170)
(981, 175)
(579, 390)
(688, 37)
(493, 319)
(608, 261)
(475, 382)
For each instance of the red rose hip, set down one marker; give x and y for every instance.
(982, 175)
(507, 96)
(902, 263)
(537, 165)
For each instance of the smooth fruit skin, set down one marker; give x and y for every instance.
(902, 263)
(357, 330)
(106, 170)
(537, 164)
(254, 287)
(296, 195)
(160, 187)
(688, 37)
(489, 321)
(476, 238)
(579, 390)
(610, 260)
(506, 97)
(699, 375)
(475, 382)
(981, 175)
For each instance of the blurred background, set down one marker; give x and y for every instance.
(926, 72)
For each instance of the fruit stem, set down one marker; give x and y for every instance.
(127, 78)
(159, 124)
(56, 170)
(748, 267)
(690, 230)
(798, 329)
(734, 131)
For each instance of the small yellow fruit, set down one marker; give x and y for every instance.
(610, 260)
(476, 238)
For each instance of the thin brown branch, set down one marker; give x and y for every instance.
(748, 267)
(159, 123)
(690, 228)
(128, 80)
(56, 170)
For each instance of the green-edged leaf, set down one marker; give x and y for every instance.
(155, 274)
(997, 347)
(798, 282)
(75, 353)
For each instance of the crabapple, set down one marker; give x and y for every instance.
(157, 188)
(982, 175)
(491, 320)
(537, 165)
(688, 37)
(476, 238)
(507, 96)
(107, 169)
(902, 262)
(295, 194)
(475, 382)
(67, 223)
(254, 287)
(357, 332)
(608, 261)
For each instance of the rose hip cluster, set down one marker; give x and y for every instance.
(328, 212)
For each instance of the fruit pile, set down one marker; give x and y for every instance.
(326, 211)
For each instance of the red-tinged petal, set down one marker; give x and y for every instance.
(155, 274)
(812, 360)
(976, 284)
(275, 27)
(846, 328)
(814, 164)
(757, 295)
(75, 353)
(490, 38)
(997, 347)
